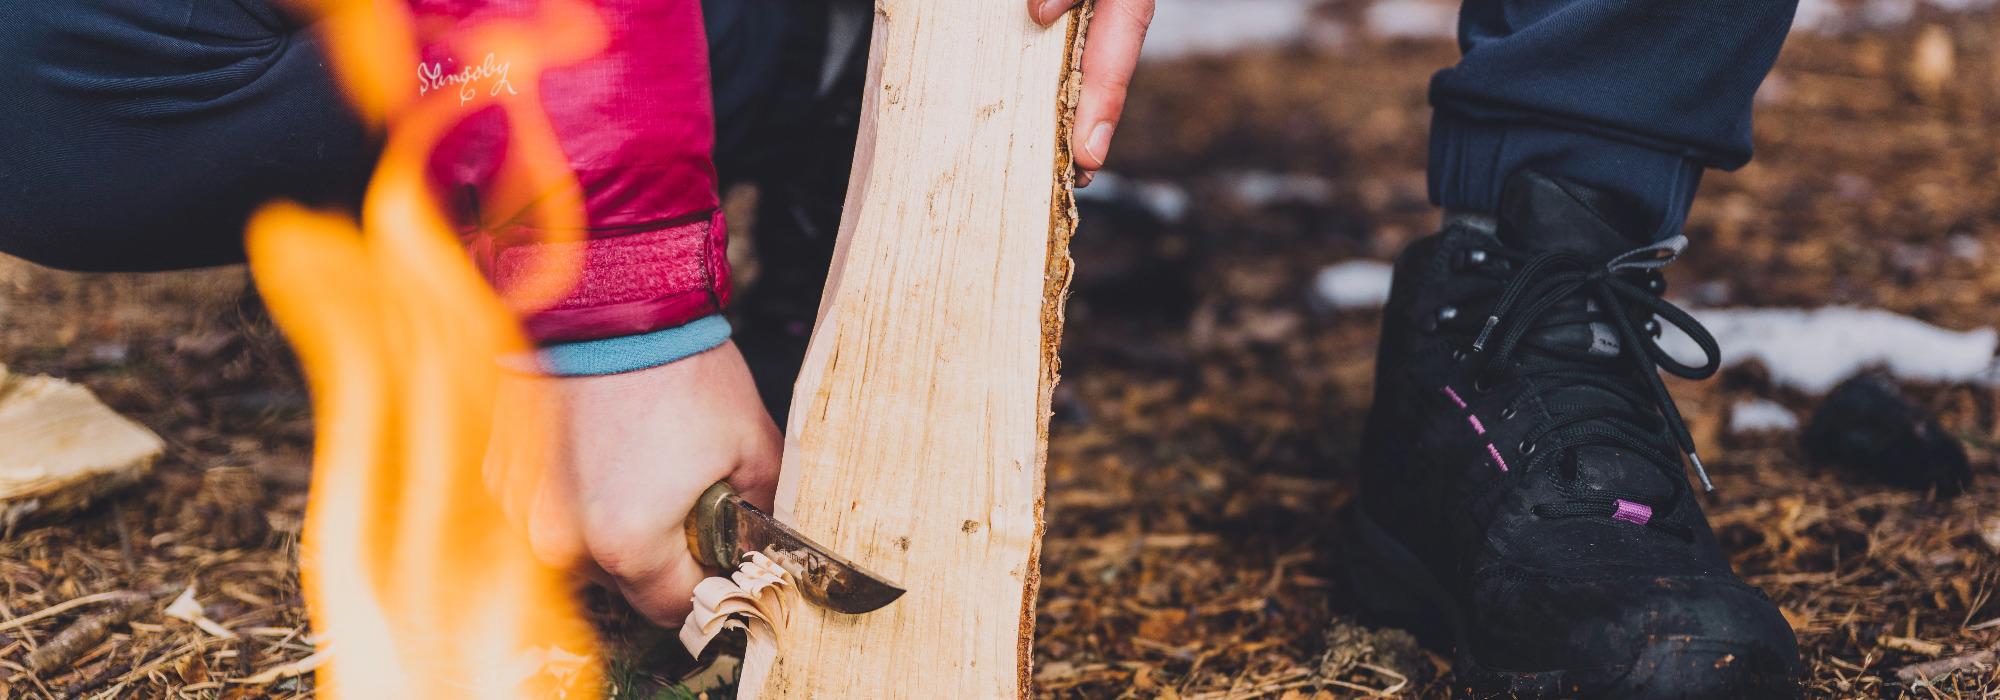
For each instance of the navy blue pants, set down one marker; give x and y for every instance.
(139, 134)
(1636, 96)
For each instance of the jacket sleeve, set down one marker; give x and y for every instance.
(635, 125)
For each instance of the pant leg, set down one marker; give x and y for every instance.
(140, 134)
(788, 88)
(1637, 96)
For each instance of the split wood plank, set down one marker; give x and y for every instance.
(60, 447)
(919, 424)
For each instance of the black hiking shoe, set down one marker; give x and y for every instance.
(1523, 497)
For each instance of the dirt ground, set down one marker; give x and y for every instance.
(1210, 413)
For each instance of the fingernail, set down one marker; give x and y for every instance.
(1083, 178)
(1049, 11)
(1099, 142)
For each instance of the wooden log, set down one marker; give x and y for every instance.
(61, 448)
(919, 424)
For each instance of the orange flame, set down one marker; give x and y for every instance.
(418, 584)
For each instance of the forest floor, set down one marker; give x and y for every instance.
(1210, 410)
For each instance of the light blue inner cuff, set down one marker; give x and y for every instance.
(635, 352)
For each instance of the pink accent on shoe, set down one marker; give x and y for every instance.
(1491, 450)
(1454, 397)
(1477, 427)
(1635, 513)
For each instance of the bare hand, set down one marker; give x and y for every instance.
(633, 453)
(1110, 54)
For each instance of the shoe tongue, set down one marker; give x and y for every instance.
(1542, 214)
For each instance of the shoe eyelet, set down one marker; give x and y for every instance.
(1459, 354)
(1475, 258)
(1653, 327)
(1527, 447)
(1479, 385)
(1446, 314)
(1507, 414)
(1657, 285)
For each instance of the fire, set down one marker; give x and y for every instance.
(417, 582)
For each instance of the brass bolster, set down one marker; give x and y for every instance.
(710, 528)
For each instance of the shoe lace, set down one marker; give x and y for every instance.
(1530, 301)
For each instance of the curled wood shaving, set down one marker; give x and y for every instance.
(756, 599)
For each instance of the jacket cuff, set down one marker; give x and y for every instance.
(633, 282)
(590, 358)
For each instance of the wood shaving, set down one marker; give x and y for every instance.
(187, 609)
(65, 448)
(757, 599)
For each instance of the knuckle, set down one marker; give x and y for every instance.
(1109, 89)
(667, 614)
(626, 551)
(1138, 12)
(554, 547)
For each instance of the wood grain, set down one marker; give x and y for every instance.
(61, 448)
(920, 419)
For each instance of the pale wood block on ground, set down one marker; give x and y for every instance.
(60, 447)
(919, 423)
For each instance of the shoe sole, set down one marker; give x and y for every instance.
(1393, 588)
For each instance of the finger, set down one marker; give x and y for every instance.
(1046, 12)
(667, 596)
(1083, 178)
(554, 534)
(756, 475)
(656, 579)
(1110, 55)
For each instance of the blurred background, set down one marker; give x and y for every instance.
(1217, 369)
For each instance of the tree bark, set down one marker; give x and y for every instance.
(919, 423)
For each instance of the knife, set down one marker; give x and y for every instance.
(723, 527)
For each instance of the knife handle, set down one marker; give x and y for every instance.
(709, 527)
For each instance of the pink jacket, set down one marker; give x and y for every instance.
(636, 124)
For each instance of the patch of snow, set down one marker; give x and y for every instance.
(1194, 27)
(1260, 188)
(1967, 248)
(1355, 284)
(1836, 17)
(1818, 16)
(1164, 200)
(1812, 350)
(1888, 13)
(1710, 293)
(1413, 19)
(1762, 416)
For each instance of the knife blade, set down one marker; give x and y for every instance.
(723, 527)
